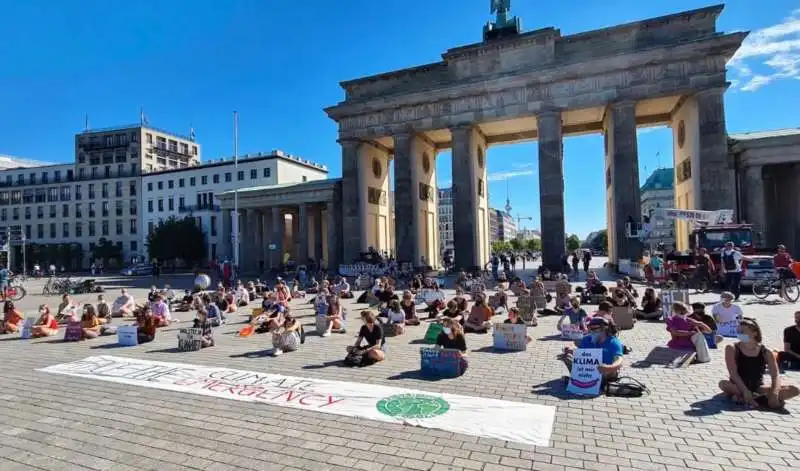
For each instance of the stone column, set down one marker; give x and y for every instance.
(406, 220)
(624, 159)
(318, 233)
(244, 240)
(465, 201)
(258, 246)
(227, 235)
(717, 178)
(333, 217)
(265, 241)
(551, 188)
(302, 234)
(354, 194)
(755, 208)
(276, 260)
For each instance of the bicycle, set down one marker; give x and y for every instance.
(14, 292)
(772, 285)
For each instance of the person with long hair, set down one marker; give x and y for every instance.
(397, 318)
(480, 317)
(334, 319)
(452, 337)
(688, 333)
(288, 337)
(602, 335)
(409, 308)
(651, 306)
(46, 325)
(90, 324)
(371, 331)
(146, 324)
(747, 361)
(12, 318)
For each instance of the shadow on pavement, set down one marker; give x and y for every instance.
(108, 346)
(414, 374)
(557, 388)
(165, 350)
(552, 337)
(720, 403)
(327, 364)
(490, 349)
(256, 354)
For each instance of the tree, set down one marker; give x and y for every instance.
(533, 244)
(602, 241)
(500, 246)
(516, 244)
(573, 242)
(107, 251)
(177, 239)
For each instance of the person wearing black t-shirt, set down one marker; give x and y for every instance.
(789, 358)
(371, 331)
(452, 337)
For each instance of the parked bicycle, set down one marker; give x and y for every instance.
(772, 285)
(15, 291)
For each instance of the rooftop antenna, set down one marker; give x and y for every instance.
(508, 200)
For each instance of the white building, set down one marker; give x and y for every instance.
(527, 234)
(501, 226)
(446, 241)
(658, 192)
(190, 191)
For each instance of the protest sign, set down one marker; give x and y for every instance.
(190, 340)
(127, 335)
(73, 332)
(670, 296)
(527, 308)
(27, 328)
(433, 332)
(510, 337)
(586, 378)
(728, 329)
(571, 331)
(440, 362)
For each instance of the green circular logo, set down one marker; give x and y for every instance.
(413, 406)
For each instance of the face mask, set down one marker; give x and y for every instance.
(743, 337)
(595, 336)
(446, 330)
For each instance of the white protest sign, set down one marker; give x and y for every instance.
(728, 329)
(519, 422)
(586, 378)
(671, 296)
(571, 331)
(190, 340)
(127, 335)
(27, 328)
(510, 337)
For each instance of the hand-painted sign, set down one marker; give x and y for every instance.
(190, 340)
(127, 335)
(586, 379)
(440, 362)
(510, 337)
(73, 332)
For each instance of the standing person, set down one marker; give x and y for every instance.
(783, 261)
(704, 267)
(587, 258)
(513, 262)
(732, 267)
(575, 264)
(4, 276)
(495, 265)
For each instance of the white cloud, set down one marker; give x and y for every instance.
(500, 176)
(776, 49)
(524, 165)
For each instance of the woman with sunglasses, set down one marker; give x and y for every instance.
(747, 361)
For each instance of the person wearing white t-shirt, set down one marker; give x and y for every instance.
(725, 311)
(732, 267)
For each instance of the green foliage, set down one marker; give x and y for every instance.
(500, 246)
(70, 256)
(573, 242)
(107, 251)
(516, 245)
(177, 239)
(534, 244)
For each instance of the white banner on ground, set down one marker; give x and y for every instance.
(530, 424)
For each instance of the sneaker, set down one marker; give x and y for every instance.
(276, 352)
(327, 333)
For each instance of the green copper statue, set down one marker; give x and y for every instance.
(503, 26)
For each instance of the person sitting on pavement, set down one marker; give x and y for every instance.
(725, 310)
(341, 288)
(435, 305)
(312, 287)
(214, 314)
(594, 285)
(146, 324)
(626, 283)
(46, 325)
(103, 309)
(396, 317)
(386, 293)
(296, 292)
(789, 358)
(461, 300)
(409, 308)
(12, 318)
(563, 286)
(67, 310)
(747, 361)
(206, 328)
(575, 314)
(160, 311)
(372, 333)
(123, 305)
(241, 295)
(288, 337)
(602, 335)
(151, 295)
(453, 312)
(515, 318)
(452, 337)
(480, 317)
(651, 306)
(699, 314)
(270, 319)
(518, 287)
(687, 333)
(334, 318)
(90, 324)
(499, 302)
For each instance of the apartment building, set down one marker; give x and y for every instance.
(658, 192)
(502, 227)
(190, 191)
(446, 241)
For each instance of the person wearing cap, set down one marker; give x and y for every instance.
(783, 261)
(732, 268)
(602, 335)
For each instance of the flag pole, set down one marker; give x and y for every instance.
(236, 191)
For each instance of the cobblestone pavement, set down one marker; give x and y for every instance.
(56, 422)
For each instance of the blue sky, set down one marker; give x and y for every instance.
(191, 62)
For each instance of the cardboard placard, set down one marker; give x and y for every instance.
(190, 340)
(571, 332)
(428, 296)
(128, 335)
(433, 332)
(670, 296)
(73, 332)
(27, 328)
(585, 378)
(623, 317)
(512, 337)
(527, 308)
(728, 329)
(440, 362)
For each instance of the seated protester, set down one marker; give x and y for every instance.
(436, 305)
(342, 289)
(453, 312)
(461, 281)
(502, 282)
(725, 310)
(409, 308)
(626, 283)
(480, 317)
(620, 298)
(251, 291)
(146, 324)
(604, 311)
(296, 291)
(241, 294)
(651, 306)
(206, 328)
(602, 334)
(67, 310)
(452, 336)
(396, 317)
(747, 361)
(160, 311)
(372, 333)
(103, 310)
(168, 294)
(90, 324)
(499, 300)
(123, 305)
(699, 314)
(228, 303)
(416, 283)
(312, 287)
(334, 319)
(214, 314)
(321, 302)
(46, 325)
(288, 337)
(687, 333)
(518, 287)
(563, 286)
(461, 300)
(151, 296)
(538, 291)
(272, 319)
(594, 285)
(789, 358)
(575, 314)
(12, 319)
(514, 318)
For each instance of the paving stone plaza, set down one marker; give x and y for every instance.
(55, 422)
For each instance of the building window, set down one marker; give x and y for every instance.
(118, 191)
(65, 210)
(180, 183)
(267, 172)
(213, 251)
(120, 169)
(3, 214)
(104, 209)
(227, 176)
(160, 185)
(44, 177)
(149, 138)
(134, 245)
(173, 146)
(27, 212)
(78, 211)
(66, 193)
(107, 171)
(213, 225)
(119, 226)
(149, 206)
(133, 226)
(104, 227)
(204, 180)
(27, 196)
(160, 205)
(104, 190)
(91, 191)
(118, 208)
(91, 229)
(32, 179)
(28, 231)
(78, 229)
(52, 210)
(192, 181)
(20, 179)
(57, 176)
(40, 212)
(70, 175)
(194, 150)
(40, 231)
(149, 186)
(132, 207)
(305, 178)
(65, 230)
(171, 204)
(132, 188)
(240, 175)
(91, 210)
(171, 184)
(150, 227)
(78, 194)
(52, 230)
(215, 178)
(94, 172)
(52, 195)
(184, 148)
(15, 214)
(253, 174)
(40, 195)
(181, 202)
(133, 166)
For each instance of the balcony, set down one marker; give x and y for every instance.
(166, 152)
(102, 145)
(196, 208)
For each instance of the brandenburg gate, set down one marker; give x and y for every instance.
(516, 86)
